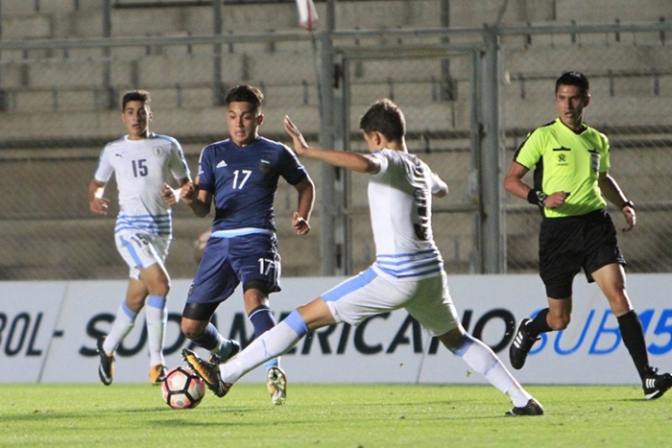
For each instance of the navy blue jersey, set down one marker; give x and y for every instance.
(244, 181)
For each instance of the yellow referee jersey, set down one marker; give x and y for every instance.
(569, 161)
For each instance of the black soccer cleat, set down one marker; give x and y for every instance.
(532, 408)
(655, 384)
(208, 372)
(106, 367)
(521, 346)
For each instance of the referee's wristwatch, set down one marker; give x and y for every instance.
(628, 204)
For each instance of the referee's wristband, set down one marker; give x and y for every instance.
(536, 197)
(628, 204)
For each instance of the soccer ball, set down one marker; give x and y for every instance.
(182, 388)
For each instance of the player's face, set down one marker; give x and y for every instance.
(570, 102)
(136, 117)
(243, 123)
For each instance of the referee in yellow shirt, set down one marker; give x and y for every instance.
(571, 181)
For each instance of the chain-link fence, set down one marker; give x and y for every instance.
(630, 74)
(59, 107)
(56, 119)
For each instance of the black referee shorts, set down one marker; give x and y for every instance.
(566, 245)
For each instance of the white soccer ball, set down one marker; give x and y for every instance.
(182, 388)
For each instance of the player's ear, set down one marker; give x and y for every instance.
(587, 100)
(377, 138)
(260, 119)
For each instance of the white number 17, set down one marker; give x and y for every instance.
(245, 174)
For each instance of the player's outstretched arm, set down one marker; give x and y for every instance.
(97, 203)
(343, 159)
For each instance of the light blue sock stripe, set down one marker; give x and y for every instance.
(128, 311)
(296, 323)
(157, 302)
(464, 344)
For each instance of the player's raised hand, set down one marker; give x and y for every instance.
(300, 225)
(300, 145)
(99, 205)
(170, 196)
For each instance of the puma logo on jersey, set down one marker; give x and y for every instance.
(118, 155)
(221, 164)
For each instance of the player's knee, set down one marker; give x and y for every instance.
(191, 330)
(161, 288)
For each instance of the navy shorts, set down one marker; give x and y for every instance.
(252, 260)
(567, 245)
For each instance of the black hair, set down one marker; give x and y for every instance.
(245, 94)
(136, 95)
(385, 117)
(573, 78)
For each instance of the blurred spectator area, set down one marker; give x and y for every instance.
(59, 106)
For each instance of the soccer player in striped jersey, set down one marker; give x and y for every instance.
(239, 176)
(408, 272)
(143, 163)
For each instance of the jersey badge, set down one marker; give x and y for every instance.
(264, 166)
(158, 150)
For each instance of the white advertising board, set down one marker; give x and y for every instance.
(29, 312)
(48, 332)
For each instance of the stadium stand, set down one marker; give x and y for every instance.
(58, 107)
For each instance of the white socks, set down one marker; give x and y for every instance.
(156, 315)
(122, 325)
(269, 345)
(483, 360)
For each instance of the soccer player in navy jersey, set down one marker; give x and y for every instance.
(408, 271)
(240, 175)
(143, 163)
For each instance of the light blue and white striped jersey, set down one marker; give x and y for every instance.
(141, 167)
(400, 201)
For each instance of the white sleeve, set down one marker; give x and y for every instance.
(178, 164)
(105, 169)
(383, 162)
(437, 184)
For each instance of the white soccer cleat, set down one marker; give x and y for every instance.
(276, 383)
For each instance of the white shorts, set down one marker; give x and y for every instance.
(371, 293)
(141, 250)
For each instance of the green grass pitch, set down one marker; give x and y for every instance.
(364, 416)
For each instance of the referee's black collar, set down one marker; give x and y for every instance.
(584, 126)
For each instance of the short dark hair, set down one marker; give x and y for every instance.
(245, 94)
(136, 95)
(573, 78)
(385, 117)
